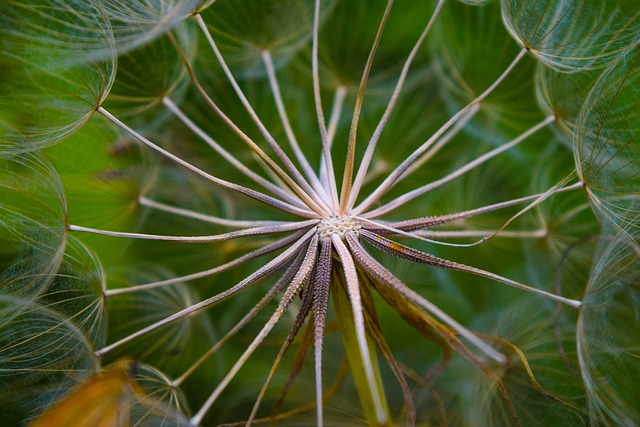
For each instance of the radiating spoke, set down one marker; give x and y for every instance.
(399, 201)
(280, 284)
(284, 118)
(381, 274)
(231, 264)
(336, 111)
(271, 267)
(388, 230)
(326, 147)
(249, 232)
(530, 206)
(484, 234)
(312, 204)
(351, 146)
(368, 155)
(433, 221)
(405, 252)
(283, 206)
(428, 154)
(400, 170)
(297, 177)
(320, 304)
(291, 292)
(145, 201)
(228, 156)
(373, 328)
(303, 312)
(430, 235)
(297, 364)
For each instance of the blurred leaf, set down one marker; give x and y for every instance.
(111, 398)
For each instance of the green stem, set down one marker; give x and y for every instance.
(347, 329)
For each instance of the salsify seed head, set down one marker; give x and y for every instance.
(435, 198)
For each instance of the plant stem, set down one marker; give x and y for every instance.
(347, 327)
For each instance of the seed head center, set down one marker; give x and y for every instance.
(337, 225)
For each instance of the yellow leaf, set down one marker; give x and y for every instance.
(102, 401)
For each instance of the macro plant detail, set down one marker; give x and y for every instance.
(319, 212)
